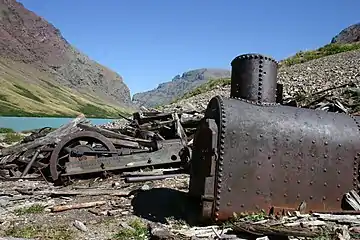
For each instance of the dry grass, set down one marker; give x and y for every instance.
(26, 91)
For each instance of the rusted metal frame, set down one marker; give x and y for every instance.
(356, 169)
(151, 178)
(210, 193)
(203, 164)
(74, 137)
(120, 152)
(112, 164)
(220, 163)
(164, 156)
(111, 134)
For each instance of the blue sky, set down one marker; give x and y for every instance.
(150, 41)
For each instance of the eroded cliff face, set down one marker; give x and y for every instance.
(28, 38)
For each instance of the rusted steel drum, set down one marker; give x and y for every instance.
(253, 77)
(249, 156)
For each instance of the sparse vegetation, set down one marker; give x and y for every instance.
(41, 232)
(138, 231)
(33, 209)
(210, 85)
(329, 49)
(176, 223)
(12, 137)
(6, 130)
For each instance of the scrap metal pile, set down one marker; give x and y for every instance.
(150, 139)
(250, 152)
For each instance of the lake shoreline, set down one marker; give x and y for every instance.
(20, 124)
(57, 116)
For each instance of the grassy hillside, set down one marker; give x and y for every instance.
(26, 91)
(327, 50)
(300, 57)
(210, 85)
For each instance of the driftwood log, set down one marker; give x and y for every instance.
(61, 208)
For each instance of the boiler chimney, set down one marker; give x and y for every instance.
(254, 77)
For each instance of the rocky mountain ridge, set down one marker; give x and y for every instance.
(168, 91)
(348, 35)
(302, 82)
(28, 39)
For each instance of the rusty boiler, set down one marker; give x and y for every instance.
(251, 153)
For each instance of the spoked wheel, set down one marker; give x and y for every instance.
(72, 148)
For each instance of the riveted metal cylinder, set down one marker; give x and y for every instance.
(256, 164)
(253, 77)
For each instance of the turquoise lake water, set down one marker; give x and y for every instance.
(29, 123)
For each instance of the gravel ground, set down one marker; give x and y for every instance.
(21, 216)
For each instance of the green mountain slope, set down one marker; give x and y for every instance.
(42, 74)
(26, 91)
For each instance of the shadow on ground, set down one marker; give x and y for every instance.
(160, 203)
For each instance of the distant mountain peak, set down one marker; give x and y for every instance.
(350, 34)
(178, 86)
